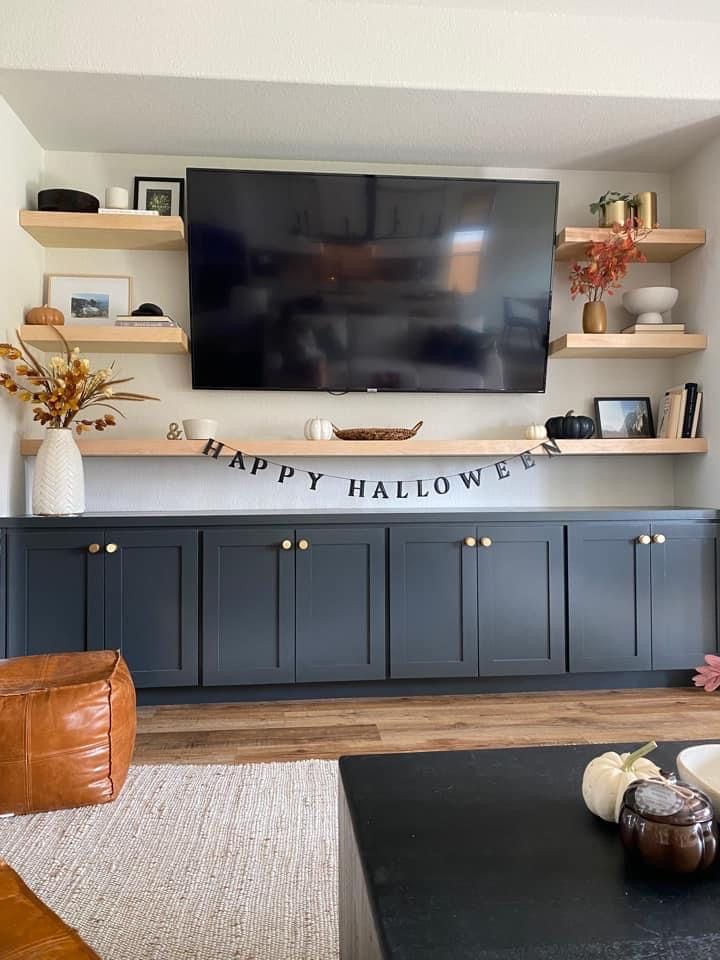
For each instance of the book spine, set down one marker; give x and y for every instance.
(692, 389)
(696, 418)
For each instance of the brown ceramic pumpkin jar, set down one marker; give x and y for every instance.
(669, 826)
(45, 315)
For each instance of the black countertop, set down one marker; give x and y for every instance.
(492, 855)
(363, 516)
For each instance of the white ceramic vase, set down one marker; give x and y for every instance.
(58, 488)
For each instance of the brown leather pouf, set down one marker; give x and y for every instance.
(29, 928)
(67, 730)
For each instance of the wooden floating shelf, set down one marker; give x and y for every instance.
(626, 346)
(108, 339)
(662, 246)
(104, 231)
(122, 447)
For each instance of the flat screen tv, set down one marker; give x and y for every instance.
(340, 282)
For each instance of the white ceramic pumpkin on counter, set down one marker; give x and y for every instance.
(316, 428)
(536, 431)
(608, 776)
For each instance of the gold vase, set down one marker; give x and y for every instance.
(595, 317)
(616, 212)
(646, 210)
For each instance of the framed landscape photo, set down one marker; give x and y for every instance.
(89, 300)
(626, 418)
(162, 195)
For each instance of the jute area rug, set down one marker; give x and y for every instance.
(194, 863)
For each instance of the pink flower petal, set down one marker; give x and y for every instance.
(712, 685)
(712, 661)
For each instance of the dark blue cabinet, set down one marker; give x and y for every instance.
(248, 606)
(433, 601)
(56, 583)
(685, 590)
(340, 604)
(521, 599)
(151, 604)
(609, 601)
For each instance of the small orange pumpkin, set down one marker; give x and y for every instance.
(45, 314)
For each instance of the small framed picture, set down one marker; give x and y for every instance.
(627, 418)
(89, 300)
(163, 195)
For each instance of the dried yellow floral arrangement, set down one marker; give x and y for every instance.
(64, 387)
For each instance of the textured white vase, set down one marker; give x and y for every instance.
(58, 482)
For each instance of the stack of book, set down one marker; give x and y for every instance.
(140, 213)
(125, 320)
(679, 413)
(654, 328)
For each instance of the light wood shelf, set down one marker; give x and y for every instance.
(662, 246)
(630, 346)
(109, 339)
(104, 231)
(126, 447)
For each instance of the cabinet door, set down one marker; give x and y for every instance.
(433, 602)
(340, 604)
(151, 604)
(608, 597)
(684, 594)
(521, 600)
(55, 591)
(248, 606)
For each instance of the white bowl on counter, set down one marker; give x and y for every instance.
(700, 767)
(648, 304)
(200, 429)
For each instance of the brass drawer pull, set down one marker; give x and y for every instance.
(643, 539)
(286, 545)
(94, 548)
(470, 542)
(486, 542)
(303, 544)
(111, 548)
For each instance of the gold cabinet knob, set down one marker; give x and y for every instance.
(286, 545)
(94, 548)
(485, 542)
(303, 544)
(111, 548)
(659, 538)
(643, 539)
(470, 542)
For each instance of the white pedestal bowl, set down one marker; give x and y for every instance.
(648, 304)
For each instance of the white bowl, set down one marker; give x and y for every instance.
(649, 303)
(200, 429)
(700, 767)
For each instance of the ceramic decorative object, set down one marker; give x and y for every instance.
(570, 427)
(46, 315)
(594, 318)
(535, 431)
(117, 198)
(700, 767)
(58, 488)
(200, 429)
(174, 432)
(318, 429)
(648, 304)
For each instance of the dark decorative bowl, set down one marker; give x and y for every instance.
(67, 201)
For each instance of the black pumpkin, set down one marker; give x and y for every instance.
(570, 427)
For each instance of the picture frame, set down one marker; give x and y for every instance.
(88, 299)
(163, 195)
(624, 418)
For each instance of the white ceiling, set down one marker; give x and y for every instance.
(237, 118)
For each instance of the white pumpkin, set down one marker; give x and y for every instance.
(318, 429)
(536, 431)
(608, 776)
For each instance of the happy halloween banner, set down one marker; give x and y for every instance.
(377, 489)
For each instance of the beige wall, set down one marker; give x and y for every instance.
(21, 266)
(162, 278)
(695, 192)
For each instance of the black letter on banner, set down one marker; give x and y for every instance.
(400, 495)
(285, 473)
(357, 488)
(258, 464)
(551, 448)
(380, 491)
(503, 470)
(213, 448)
(528, 460)
(420, 489)
(473, 476)
(314, 477)
(237, 461)
(445, 484)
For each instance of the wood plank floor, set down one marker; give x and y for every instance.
(299, 730)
